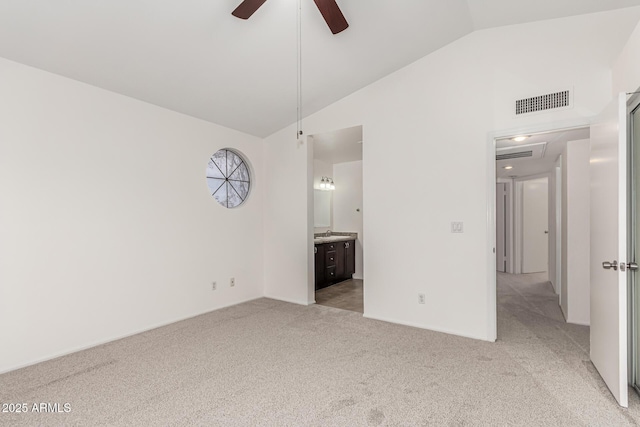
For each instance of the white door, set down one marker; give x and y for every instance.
(633, 281)
(608, 244)
(535, 223)
(501, 227)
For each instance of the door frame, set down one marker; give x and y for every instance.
(508, 225)
(633, 104)
(492, 296)
(310, 147)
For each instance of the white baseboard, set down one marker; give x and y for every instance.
(575, 322)
(292, 301)
(429, 328)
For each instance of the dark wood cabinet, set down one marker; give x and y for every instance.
(334, 262)
(319, 263)
(340, 271)
(350, 258)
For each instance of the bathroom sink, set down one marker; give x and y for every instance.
(329, 239)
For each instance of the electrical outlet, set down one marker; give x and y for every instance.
(233, 282)
(214, 286)
(457, 227)
(421, 298)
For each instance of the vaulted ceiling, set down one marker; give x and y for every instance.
(193, 57)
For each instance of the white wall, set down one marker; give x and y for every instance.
(107, 227)
(427, 121)
(320, 169)
(347, 200)
(575, 300)
(551, 251)
(626, 70)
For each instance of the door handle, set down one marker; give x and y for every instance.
(608, 265)
(546, 231)
(632, 266)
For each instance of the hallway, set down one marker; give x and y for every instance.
(532, 330)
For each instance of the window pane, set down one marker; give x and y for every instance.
(233, 161)
(214, 184)
(213, 171)
(242, 188)
(240, 174)
(221, 195)
(220, 159)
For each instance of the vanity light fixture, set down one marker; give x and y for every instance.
(327, 184)
(519, 138)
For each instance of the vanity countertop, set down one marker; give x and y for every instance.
(320, 238)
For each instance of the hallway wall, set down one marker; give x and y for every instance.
(576, 232)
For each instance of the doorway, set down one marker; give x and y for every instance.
(338, 219)
(547, 171)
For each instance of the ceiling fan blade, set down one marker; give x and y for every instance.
(332, 15)
(247, 8)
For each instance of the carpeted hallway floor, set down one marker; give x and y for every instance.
(271, 363)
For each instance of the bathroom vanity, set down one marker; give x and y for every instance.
(335, 259)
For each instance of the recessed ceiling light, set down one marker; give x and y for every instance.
(519, 138)
(507, 167)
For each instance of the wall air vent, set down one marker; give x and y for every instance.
(525, 151)
(544, 102)
(514, 155)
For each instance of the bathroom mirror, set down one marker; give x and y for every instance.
(322, 208)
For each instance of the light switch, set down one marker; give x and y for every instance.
(457, 227)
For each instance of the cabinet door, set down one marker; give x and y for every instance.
(350, 258)
(340, 261)
(319, 266)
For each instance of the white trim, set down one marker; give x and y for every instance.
(623, 115)
(292, 301)
(119, 337)
(517, 227)
(577, 323)
(491, 289)
(558, 213)
(440, 330)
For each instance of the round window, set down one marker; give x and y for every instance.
(228, 178)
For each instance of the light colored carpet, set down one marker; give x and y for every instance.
(270, 363)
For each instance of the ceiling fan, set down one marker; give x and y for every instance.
(328, 8)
